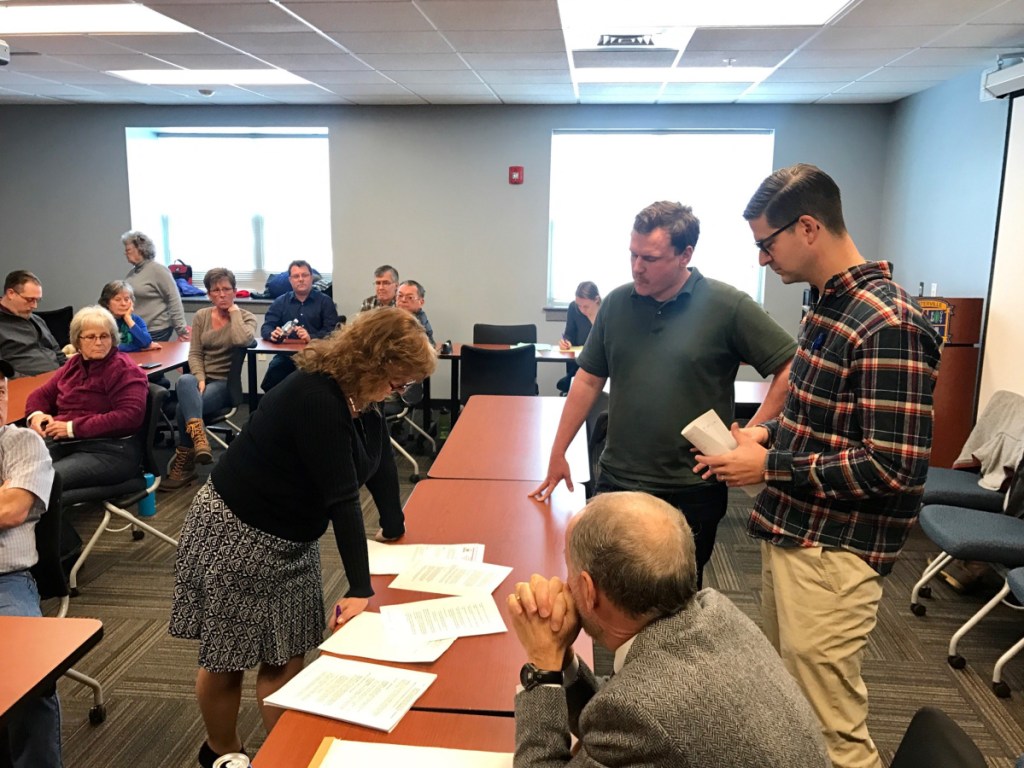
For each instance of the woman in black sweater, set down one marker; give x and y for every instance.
(247, 577)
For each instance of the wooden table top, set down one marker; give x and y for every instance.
(290, 347)
(39, 650)
(555, 355)
(297, 735)
(480, 674)
(508, 438)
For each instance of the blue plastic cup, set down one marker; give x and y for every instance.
(147, 506)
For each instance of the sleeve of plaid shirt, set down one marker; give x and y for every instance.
(887, 424)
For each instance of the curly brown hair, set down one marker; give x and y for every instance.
(378, 347)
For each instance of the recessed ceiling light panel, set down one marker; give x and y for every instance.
(121, 19)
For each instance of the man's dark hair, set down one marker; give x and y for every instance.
(18, 278)
(420, 290)
(299, 263)
(379, 272)
(675, 218)
(798, 190)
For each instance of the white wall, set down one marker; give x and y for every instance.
(423, 188)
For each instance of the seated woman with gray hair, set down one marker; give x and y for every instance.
(91, 405)
(118, 298)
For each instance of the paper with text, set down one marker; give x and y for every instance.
(711, 437)
(353, 691)
(364, 635)
(345, 754)
(463, 616)
(452, 578)
(395, 558)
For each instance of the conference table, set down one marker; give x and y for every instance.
(171, 355)
(295, 739)
(502, 437)
(37, 651)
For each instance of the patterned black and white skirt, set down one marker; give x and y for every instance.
(248, 596)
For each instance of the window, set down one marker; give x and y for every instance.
(600, 180)
(249, 199)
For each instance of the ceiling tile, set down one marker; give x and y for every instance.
(507, 14)
(61, 44)
(738, 58)
(910, 13)
(856, 98)
(860, 38)
(235, 17)
(462, 94)
(393, 42)
(332, 61)
(362, 16)
(117, 61)
(532, 41)
(1003, 13)
(909, 74)
(896, 88)
(873, 58)
(424, 61)
(598, 93)
(39, 64)
(749, 38)
(705, 90)
(287, 42)
(798, 89)
(525, 76)
(229, 61)
(759, 98)
(788, 74)
(949, 57)
(439, 76)
(329, 77)
(158, 44)
(512, 61)
(534, 93)
(1008, 36)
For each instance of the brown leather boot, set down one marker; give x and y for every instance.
(181, 471)
(197, 431)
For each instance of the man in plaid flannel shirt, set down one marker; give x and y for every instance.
(845, 461)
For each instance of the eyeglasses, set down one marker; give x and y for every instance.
(400, 389)
(29, 299)
(92, 337)
(765, 243)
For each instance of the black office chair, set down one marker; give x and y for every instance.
(504, 334)
(220, 424)
(116, 499)
(59, 323)
(934, 740)
(497, 372)
(52, 583)
(398, 410)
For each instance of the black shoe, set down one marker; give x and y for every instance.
(207, 757)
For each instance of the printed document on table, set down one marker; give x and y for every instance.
(345, 754)
(463, 616)
(709, 433)
(395, 558)
(364, 635)
(353, 691)
(454, 578)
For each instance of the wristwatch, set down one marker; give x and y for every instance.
(531, 676)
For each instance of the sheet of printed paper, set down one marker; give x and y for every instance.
(345, 754)
(395, 558)
(452, 578)
(709, 433)
(463, 616)
(364, 635)
(353, 691)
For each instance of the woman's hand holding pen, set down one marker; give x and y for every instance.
(563, 344)
(345, 609)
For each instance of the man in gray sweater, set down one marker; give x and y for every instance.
(695, 681)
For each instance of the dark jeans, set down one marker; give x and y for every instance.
(88, 463)
(703, 506)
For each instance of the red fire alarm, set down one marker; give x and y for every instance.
(515, 174)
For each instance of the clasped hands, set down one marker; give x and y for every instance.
(44, 425)
(743, 465)
(544, 617)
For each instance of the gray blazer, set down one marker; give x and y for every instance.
(701, 688)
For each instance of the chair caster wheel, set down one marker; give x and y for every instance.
(957, 661)
(73, 591)
(97, 714)
(925, 592)
(917, 609)
(137, 534)
(414, 478)
(1002, 690)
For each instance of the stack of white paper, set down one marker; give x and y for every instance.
(445, 617)
(395, 558)
(712, 438)
(452, 578)
(353, 691)
(345, 754)
(363, 635)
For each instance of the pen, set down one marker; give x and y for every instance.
(337, 615)
(818, 341)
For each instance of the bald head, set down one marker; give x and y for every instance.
(638, 550)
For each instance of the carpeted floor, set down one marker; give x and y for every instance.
(153, 721)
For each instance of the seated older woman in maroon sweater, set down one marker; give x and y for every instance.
(91, 407)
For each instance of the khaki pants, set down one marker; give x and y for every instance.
(819, 606)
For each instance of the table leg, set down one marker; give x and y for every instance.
(253, 395)
(454, 404)
(427, 415)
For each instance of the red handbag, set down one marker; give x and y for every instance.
(180, 269)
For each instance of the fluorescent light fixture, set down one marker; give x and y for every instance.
(97, 19)
(616, 17)
(210, 76)
(676, 75)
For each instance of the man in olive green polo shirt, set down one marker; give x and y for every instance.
(672, 342)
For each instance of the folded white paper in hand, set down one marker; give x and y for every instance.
(712, 438)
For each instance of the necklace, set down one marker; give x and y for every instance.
(352, 406)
